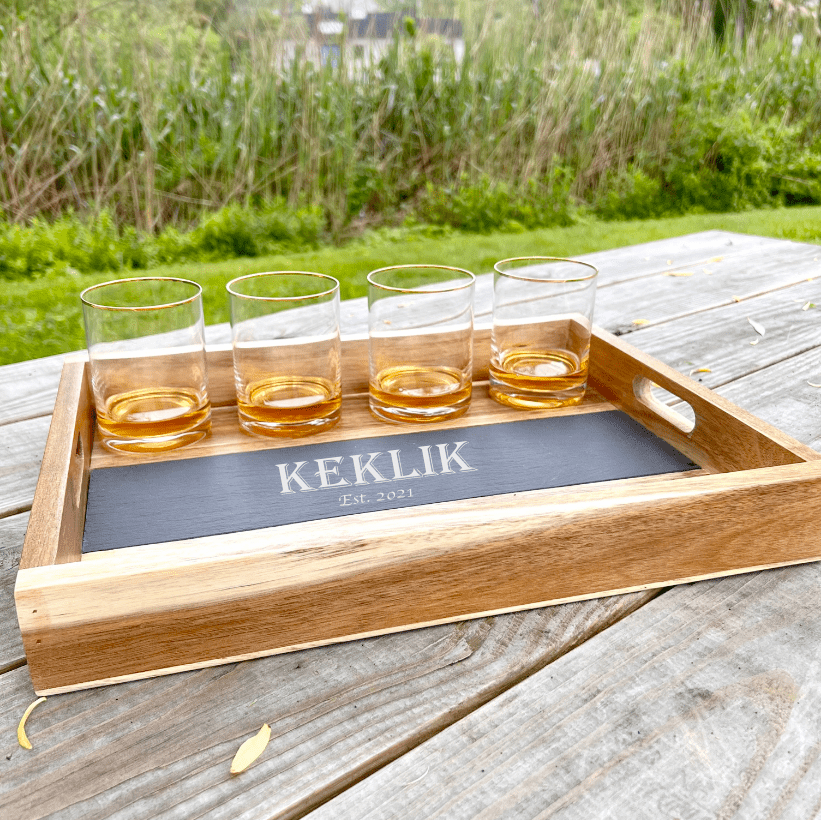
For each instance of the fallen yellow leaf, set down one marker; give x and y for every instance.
(679, 273)
(704, 370)
(716, 259)
(22, 738)
(251, 750)
(640, 321)
(736, 298)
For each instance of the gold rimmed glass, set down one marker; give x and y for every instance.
(146, 346)
(542, 321)
(420, 329)
(287, 364)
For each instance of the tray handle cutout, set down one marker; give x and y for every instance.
(77, 470)
(658, 399)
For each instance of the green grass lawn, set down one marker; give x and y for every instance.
(42, 316)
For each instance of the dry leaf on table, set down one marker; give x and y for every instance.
(251, 750)
(22, 737)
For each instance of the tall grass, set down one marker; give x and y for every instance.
(159, 117)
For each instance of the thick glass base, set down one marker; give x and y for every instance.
(292, 429)
(417, 415)
(157, 444)
(524, 399)
(153, 420)
(412, 393)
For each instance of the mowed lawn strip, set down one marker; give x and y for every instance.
(42, 317)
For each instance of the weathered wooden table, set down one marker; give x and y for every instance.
(702, 701)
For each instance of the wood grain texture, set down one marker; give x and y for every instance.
(783, 394)
(21, 450)
(161, 748)
(89, 622)
(741, 276)
(129, 751)
(707, 248)
(702, 704)
(68, 645)
(12, 531)
(654, 261)
(725, 437)
(28, 389)
(55, 529)
(720, 345)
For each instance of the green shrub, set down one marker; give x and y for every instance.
(96, 244)
(486, 206)
(632, 194)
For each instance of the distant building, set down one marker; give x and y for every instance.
(365, 34)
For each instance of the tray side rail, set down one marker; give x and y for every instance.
(55, 530)
(724, 438)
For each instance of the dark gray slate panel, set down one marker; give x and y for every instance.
(173, 500)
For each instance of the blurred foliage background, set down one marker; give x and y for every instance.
(140, 132)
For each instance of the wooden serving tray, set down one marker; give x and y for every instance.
(113, 615)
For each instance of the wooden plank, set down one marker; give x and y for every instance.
(706, 249)
(28, 389)
(161, 748)
(783, 394)
(724, 342)
(702, 704)
(627, 264)
(12, 531)
(740, 277)
(21, 450)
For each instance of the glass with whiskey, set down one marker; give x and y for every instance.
(287, 352)
(542, 321)
(420, 332)
(146, 346)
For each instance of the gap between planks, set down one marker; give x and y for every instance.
(408, 744)
(675, 317)
(10, 667)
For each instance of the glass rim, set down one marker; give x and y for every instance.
(555, 279)
(423, 288)
(136, 308)
(328, 292)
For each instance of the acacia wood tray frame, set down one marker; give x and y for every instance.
(110, 616)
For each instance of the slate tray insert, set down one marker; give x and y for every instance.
(174, 500)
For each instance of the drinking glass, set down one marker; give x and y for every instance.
(420, 323)
(146, 347)
(287, 364)
(542, 320)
